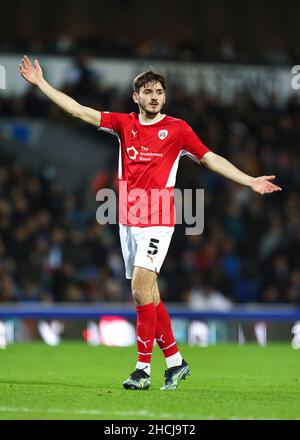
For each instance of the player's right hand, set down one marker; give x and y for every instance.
(32, 74)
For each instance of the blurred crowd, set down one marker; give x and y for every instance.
(52, 249)
(215, 31)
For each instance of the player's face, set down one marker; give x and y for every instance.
(151, 98)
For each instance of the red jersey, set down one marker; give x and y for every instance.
(149, 155)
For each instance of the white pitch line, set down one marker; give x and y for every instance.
(96, 412)
(141, 413)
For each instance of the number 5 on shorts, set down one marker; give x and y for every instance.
(153, 249)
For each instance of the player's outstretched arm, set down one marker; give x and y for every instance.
(220, 165)
(34, 75)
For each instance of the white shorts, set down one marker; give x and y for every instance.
(144, 247)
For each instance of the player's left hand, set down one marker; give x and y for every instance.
(262, 185)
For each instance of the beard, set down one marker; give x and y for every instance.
(151, 112)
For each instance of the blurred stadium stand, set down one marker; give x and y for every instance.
(51, 248)
(47, 141)
(214, 31)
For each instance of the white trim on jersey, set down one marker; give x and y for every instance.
(151, 123)
(120, 160)
(108, 130)
(172, 176)
(191, 156)
(114, 133)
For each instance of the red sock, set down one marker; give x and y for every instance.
(145, 331)
(163, 333)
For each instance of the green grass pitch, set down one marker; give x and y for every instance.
(75, 381)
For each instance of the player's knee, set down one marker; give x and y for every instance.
(142, 286)
(140, 296)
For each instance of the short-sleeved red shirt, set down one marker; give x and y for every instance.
(149, 155)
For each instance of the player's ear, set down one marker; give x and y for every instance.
(134, 97)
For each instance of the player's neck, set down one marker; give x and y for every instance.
(146, 117)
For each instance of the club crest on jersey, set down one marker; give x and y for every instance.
(132, 153)
(162, 134)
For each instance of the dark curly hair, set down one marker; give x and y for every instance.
(148, 77)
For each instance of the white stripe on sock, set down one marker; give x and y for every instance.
(169, 346)
(174, 361)
(143, 366)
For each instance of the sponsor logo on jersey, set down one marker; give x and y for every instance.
(162, 134)
(132, 153)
